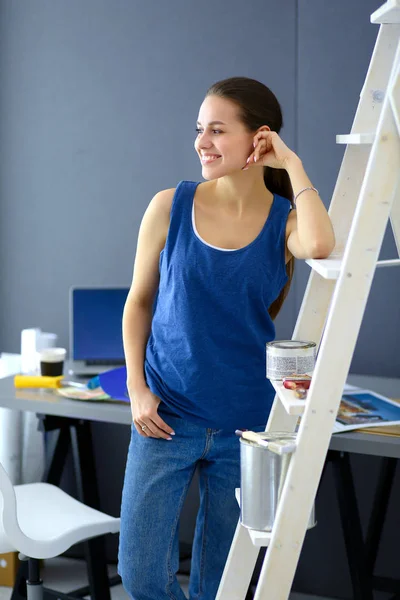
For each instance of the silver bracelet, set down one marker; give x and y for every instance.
(303, 190)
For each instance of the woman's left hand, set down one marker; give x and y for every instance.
(269, 151)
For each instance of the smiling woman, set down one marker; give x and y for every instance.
(227, 140)
(213, 265)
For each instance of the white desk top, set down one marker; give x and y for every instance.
(50, 403)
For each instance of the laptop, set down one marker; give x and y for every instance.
(95, 329)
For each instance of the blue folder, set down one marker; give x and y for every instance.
(113, 383)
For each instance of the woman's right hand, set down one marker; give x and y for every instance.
(148, 423)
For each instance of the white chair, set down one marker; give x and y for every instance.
(40, 521)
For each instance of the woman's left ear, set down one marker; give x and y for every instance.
(264, 128)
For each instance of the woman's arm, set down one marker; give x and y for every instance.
(309, 229)
(136, 321)
(137, 317)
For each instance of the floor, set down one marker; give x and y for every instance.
(66, 574)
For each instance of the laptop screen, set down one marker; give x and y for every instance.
(96, 324)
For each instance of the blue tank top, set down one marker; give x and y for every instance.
(205, 356)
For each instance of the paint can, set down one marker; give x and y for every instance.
(286, 358)
(262, 477)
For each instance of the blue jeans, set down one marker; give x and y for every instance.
(157, 478)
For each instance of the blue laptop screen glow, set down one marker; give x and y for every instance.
(97, 323)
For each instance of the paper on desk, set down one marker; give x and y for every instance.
(360, 409)
(78, 394)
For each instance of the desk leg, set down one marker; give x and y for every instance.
(379, 509)
(55, 467)
(95, 551)
(376, 524)
(360, 576)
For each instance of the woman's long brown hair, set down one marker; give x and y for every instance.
(259, 106)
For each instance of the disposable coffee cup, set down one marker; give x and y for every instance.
(52, 361)
(47, 340)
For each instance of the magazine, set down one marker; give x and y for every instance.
(363, 408)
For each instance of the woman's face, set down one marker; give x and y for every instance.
(222, 143)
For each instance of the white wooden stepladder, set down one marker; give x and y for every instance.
(366, 196)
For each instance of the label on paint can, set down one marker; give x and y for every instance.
(290, 357)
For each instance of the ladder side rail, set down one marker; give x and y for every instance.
(309, 326)
(395, 98)
(239, 566)
(352, 170)
(354, 162)
(377, 79)
(395, 104)
(344, 321)
(346, 192)
(341, 211)
(395, 219)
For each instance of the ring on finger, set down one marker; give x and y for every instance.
(144, 427)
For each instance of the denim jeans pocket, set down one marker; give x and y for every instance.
(164, 409)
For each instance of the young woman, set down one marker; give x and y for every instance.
(213, 265)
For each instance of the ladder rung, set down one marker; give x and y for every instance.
(356, 138)
(259, 538)
(394, 262)
(387, 13)
(329, 268)
(293, 405)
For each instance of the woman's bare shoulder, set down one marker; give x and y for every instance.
(162, 201)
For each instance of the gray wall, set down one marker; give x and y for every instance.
(98, 103)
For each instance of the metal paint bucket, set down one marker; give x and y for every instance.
(290, 357)
(263, 474)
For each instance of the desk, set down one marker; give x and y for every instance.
(361, 556)
(73, 421)
(50, 403)
(362, 443)
(362, 553)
